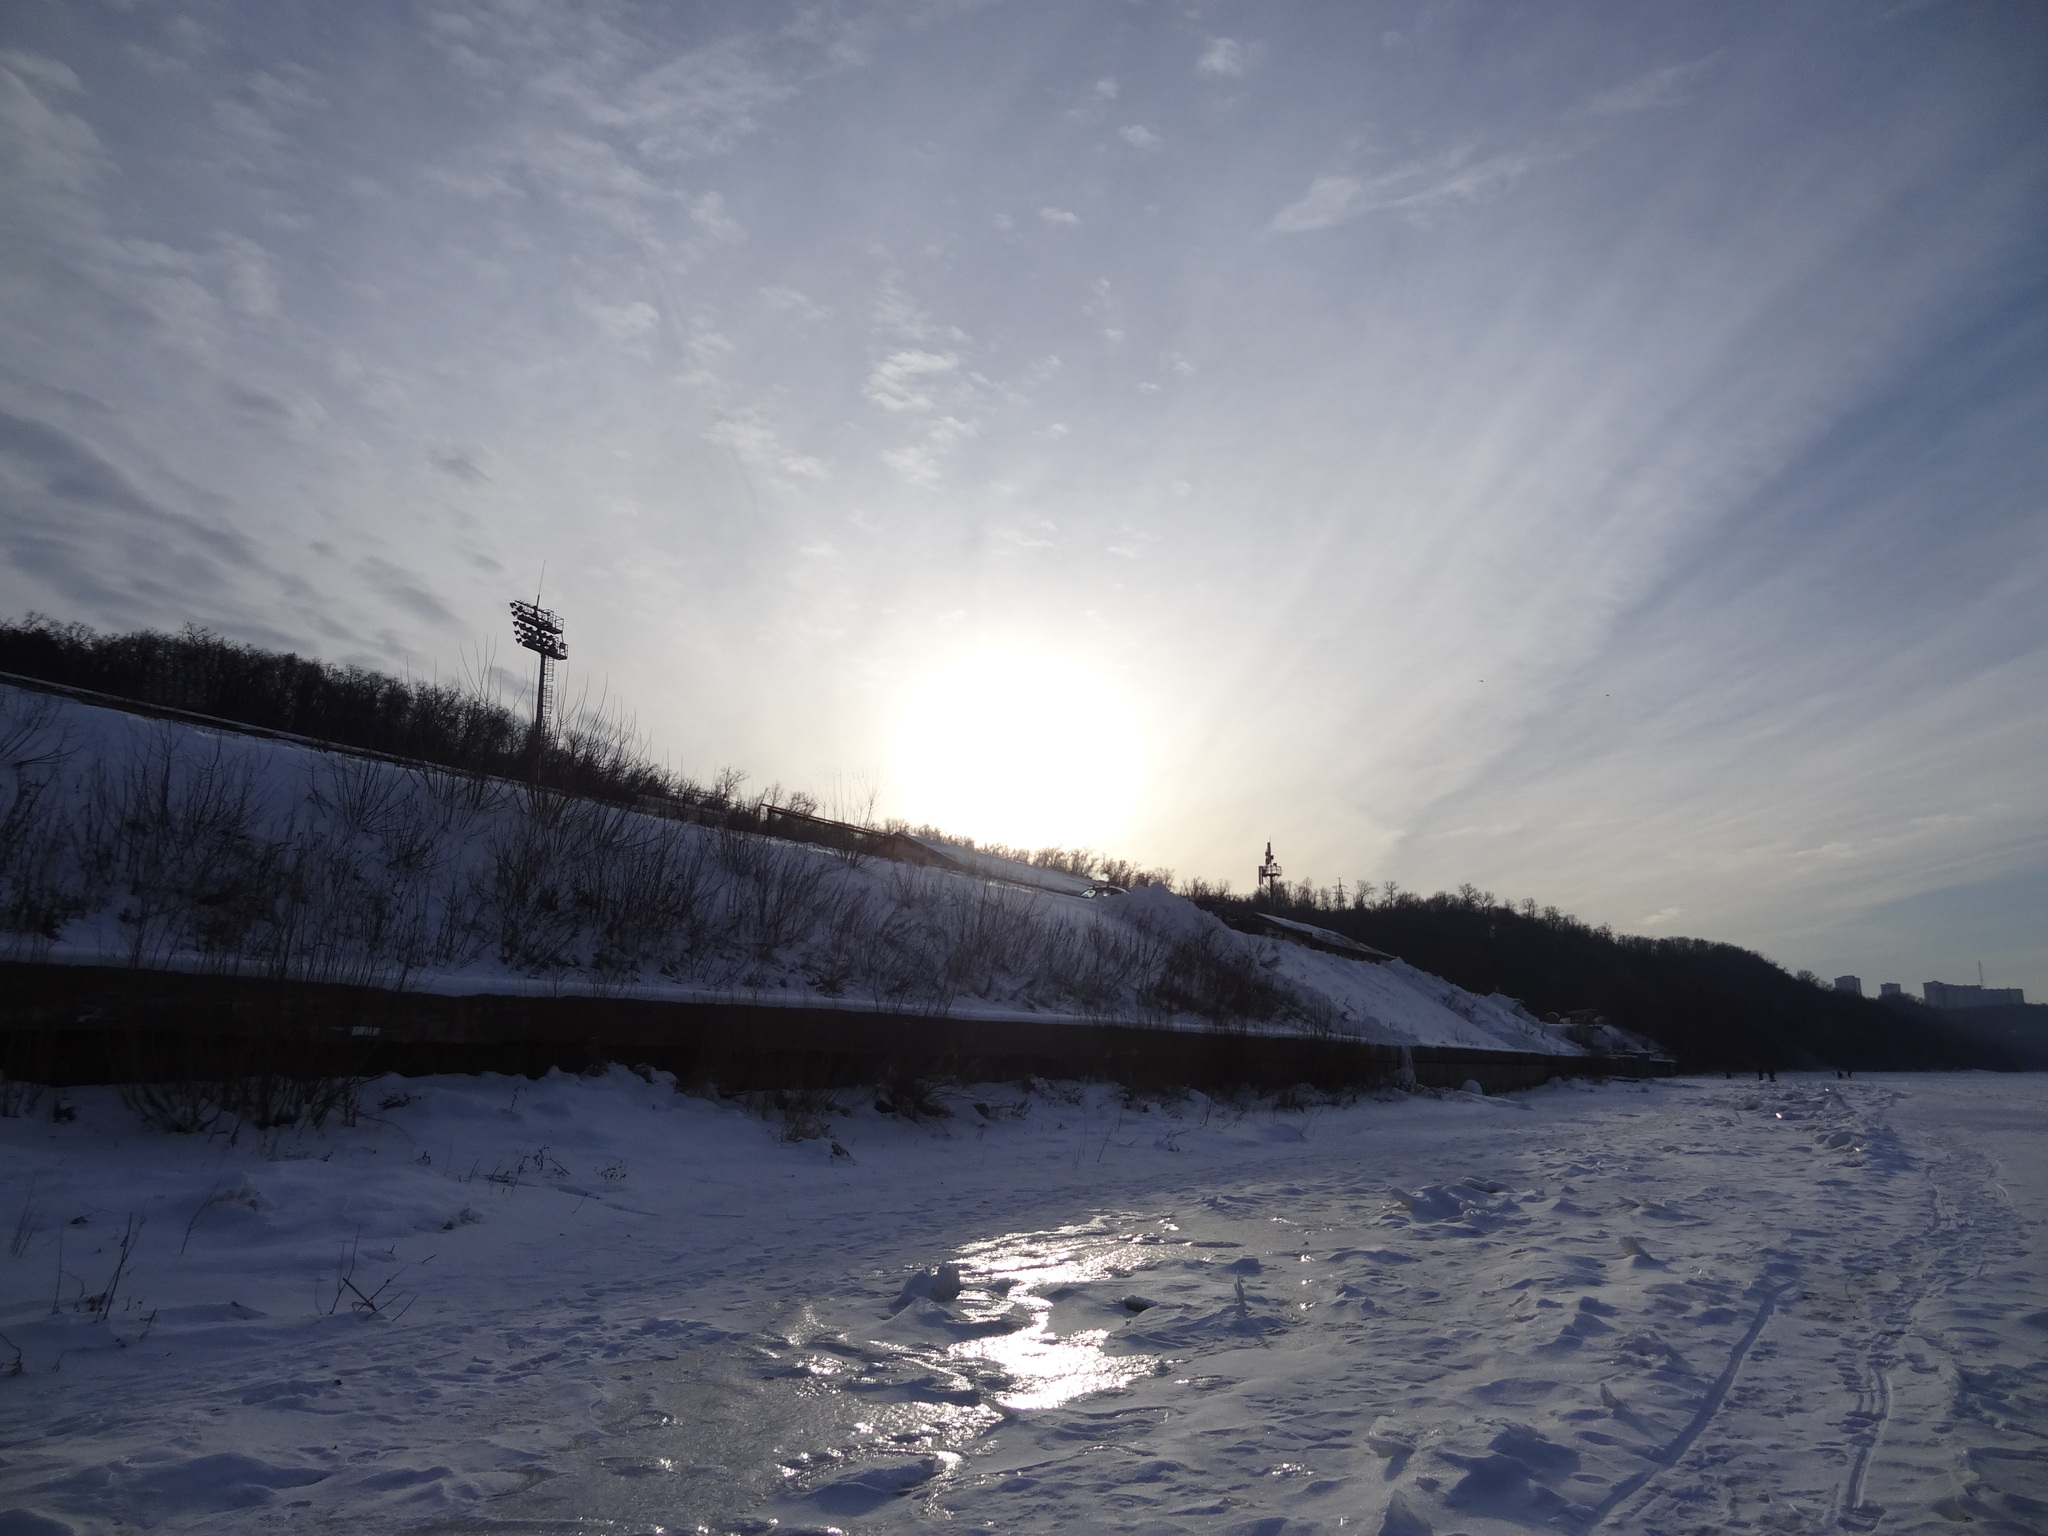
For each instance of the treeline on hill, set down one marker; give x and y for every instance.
(463, 728)
(1714, 1007)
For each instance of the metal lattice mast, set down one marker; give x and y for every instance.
(539, 631)
(1269, 878)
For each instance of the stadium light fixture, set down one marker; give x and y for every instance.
(539, 631)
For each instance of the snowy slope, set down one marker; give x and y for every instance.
(146, 842)
(1677, 1307)
(994, 867)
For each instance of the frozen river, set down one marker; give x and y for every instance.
(599, 1305)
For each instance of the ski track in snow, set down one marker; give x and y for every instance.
(1686, 1307)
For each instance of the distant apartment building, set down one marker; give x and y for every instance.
(1853, 985)
(1942, 994)
(1889, 989)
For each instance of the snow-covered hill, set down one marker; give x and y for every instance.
(139, 841)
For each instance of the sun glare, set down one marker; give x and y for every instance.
(1028, 750)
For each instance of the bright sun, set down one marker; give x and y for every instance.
(1028, 750)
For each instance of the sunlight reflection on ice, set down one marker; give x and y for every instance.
(1027, 1269)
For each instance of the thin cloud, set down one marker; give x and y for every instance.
(759, 444)
(1666, 87)
(64, 505)
(710, 215)
(1223, 58)
(1329, 200)
(401, 587)
(922, 463)
(459, 465)
(896, 384)
(1452, 177)
(632, 321)
(46, 153)
(792, 301)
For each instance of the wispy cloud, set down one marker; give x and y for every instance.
(49, 155)
(1665, 87)
(1225, 57)
(922, 462)
(1457, 175)
(899, 381)
(759, 443)
(67, 504)
(403, 588)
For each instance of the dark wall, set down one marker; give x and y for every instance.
(65, 1025)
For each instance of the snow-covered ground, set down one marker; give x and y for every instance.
(1687, 1306)
(130, 840)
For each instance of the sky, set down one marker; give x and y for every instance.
(1596, 452)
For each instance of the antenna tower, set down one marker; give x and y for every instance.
(539, 631)
(1269, 877)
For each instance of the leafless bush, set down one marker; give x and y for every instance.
(651, 903)
(924, 939)
(39, 890)
(18, 1098)
(346, 885)
(175, 833)
(374, 1302)
(267, 1101)
(801, 1111)
(28, 1222)
(1099, 965)
(914, 1098)
(577, 884)
(359, 796)
(103, 1304)
(461, 797)
(891, 943)
(774, 895)
(986, 931)
(27, 723)
(529, 885)
(1316, 1014)
(1212, 976)
(872, 945)
(228, 1085)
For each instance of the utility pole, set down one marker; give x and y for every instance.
(1269, 878)
(539, 631)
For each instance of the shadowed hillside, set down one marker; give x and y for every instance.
(1713, 1006)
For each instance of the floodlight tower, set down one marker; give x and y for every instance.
(539, 631)
(1269, 878)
